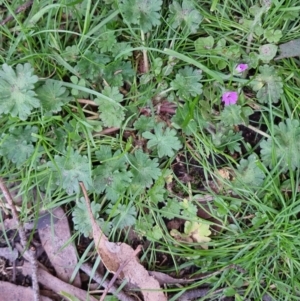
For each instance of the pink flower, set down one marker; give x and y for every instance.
(230, 98)
(241, 68)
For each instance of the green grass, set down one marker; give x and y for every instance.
(256, 251)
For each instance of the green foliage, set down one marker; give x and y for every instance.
(117, 72)
(144, 124)
(128, 161)
(185, 119)
(164, 141)
(144, 169)
(53, 96)
(225, 137)
(267, 52)
(272, 36)
(142, 13)
(17, 145)
(70, 169)
(82, 221)
(111, 176)
(193, 232)
(171, 209)
(17, 91)
(122, 215)
(283, 149)
(92, 65)
(185, 16)
(188, 209)
(203, 45)
(107, 40)
(235, 115)
(187, 83)
(71, 53)
(111, 113)
(267, 84)
(248, 174)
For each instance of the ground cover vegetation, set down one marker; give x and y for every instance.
(181, 120)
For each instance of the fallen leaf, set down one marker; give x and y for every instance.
(54, 237)
(115, 255)
(289, 49)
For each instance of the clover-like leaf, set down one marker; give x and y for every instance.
(248, 174)
(165, 141)
(284, 148)
(187, 83)
(53, 96)
(267, 84)
(111, 113)
(185, 15)
(273, 36)
(69, 170)
(144, 13)
(17, 96)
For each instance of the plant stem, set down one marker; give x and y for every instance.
(257, 131)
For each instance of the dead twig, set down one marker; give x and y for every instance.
(87, 102)
(31, 252)
(17, 11)
(107, 131)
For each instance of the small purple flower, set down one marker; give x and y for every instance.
(241, 68)
(230, 98)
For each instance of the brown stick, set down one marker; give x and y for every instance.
(31, 253)
(17, 11)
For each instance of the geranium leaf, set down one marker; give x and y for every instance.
(17, 95)
(284, 148)
(69, 170)
(267, 84)
(165, 141)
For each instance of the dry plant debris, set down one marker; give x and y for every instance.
(122, 255)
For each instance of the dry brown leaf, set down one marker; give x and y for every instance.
(14, 292)
(114, 255)
(63, 258)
